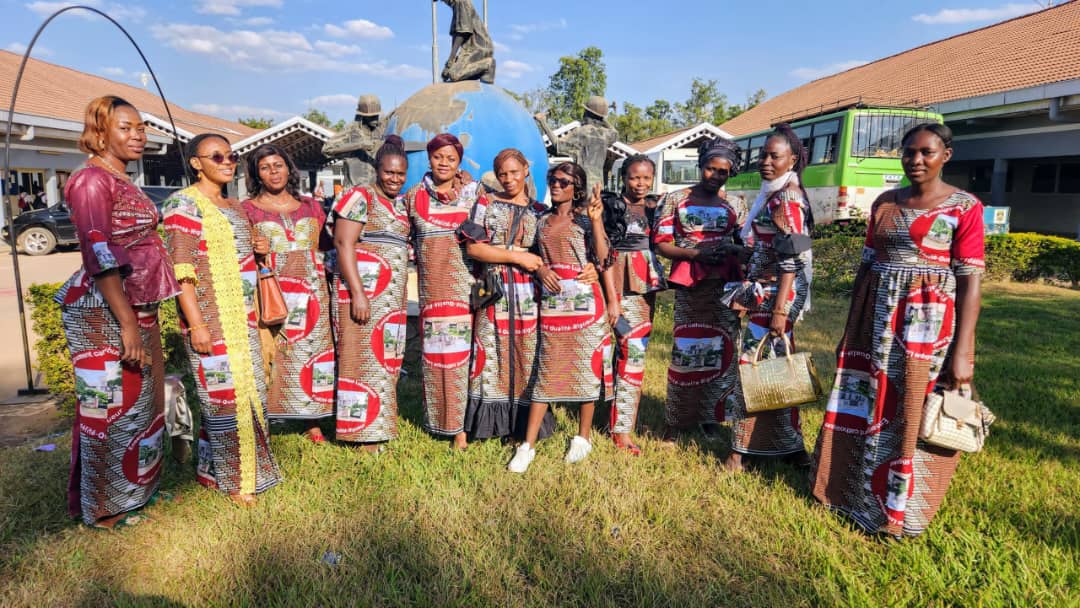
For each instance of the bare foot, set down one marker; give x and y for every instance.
(243, 500)
(623, 441)
(734, 463)
(461, 442)
(315, 435)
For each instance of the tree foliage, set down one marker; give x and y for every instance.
(705, 104)
(320, 118)
(257, 122)
(577, 78)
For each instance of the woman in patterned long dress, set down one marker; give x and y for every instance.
(371, 229)
(302, 360)
(504, 345)
(911, 327)
(575, 338)
(781, 288)
(110, 315)
(637, 276)
(436, 206)
(212, 247)
(697, 228)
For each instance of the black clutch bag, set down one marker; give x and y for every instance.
(486, 291)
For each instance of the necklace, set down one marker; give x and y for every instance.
(103, 164)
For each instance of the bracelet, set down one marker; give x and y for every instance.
(778, 312)
(192, 328)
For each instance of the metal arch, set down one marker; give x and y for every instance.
(30, 390)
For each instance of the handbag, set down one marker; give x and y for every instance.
(272, 308)
(488, 287)
(953, 420)
(780, 382)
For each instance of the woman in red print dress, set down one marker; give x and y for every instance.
(301, 362)
(911, 326)
(697, 229)
(371, 230)
(110, 315)
(436, 207)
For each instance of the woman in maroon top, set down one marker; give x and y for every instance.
(110, 315)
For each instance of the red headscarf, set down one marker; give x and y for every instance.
(445, 139)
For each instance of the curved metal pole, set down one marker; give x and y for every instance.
(30, 390)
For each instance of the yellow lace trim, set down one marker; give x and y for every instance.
(232, 314)
(185, 272)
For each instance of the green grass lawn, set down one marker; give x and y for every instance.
(419, 525)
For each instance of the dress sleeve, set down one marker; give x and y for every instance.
(353, 206)
(664, 228)
(789, 214)
(475, 229)
(90, 196)
(968, 246)
(183, 235)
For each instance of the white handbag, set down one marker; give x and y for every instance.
(951, 419)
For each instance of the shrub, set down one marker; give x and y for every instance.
(846, 228)
(836, 260)
(1026, 256)
(54, 361)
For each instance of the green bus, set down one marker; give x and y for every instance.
(854, 155)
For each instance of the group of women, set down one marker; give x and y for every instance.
(521, 306)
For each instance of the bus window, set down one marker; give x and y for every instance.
(879, 135)
(755, 152)
(823, 147)
(744, 146)
(681, 172)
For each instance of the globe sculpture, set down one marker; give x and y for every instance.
(484, 117)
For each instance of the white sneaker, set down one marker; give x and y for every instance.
(579, 449)
(523, 457)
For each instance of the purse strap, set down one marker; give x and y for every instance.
(764, 342)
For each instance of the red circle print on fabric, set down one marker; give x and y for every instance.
(304, 310)
(374, 273)
(601, 361)
(357, 406)
(923, 321)
(447, 333)
(104, 387)
(632, 363)
(317, 377)
(892, 484)
(447, 216)
(574, 308)
(933, 233)
(699, 354)
(523, 294)
(142, 457)
(388, 340)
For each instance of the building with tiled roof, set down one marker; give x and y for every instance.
(1010, 92)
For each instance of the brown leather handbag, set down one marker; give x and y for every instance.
(272, 308)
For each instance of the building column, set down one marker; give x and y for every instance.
(140, 173)
(997, 182)
(52, 190)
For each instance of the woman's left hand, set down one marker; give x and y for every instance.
(595, 210)
(588, 275)
(614, 311)
(963, 370)
(778, 324)
(260, 245)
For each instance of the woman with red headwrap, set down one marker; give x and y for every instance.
(437, 206)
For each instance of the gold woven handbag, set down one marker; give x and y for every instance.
(780, 382)
(953, 420)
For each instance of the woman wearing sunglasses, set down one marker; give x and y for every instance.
(575, 338)
(110, 314)
(437, 206)
(212, 246)
(301, 350)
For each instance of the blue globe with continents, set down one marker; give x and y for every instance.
(484, 117)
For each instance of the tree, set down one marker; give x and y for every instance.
(535, 100)
(577, 79)
(256, 122)
(320, 118)
(635, 124)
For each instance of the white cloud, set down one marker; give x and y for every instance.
(256, 21)
(334, 48)
(19, 48)
(514, 69)
(828, 70)
(268, 50)
(973, 15)
(232, 7)
(360, 28)
(233, 112)
(119, 12)
(336, 100)
(500, 47)
(113, 72)
(518, 31)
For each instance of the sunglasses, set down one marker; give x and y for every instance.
(219, 158)
(561, 181)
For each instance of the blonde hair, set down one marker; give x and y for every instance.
(99, 113)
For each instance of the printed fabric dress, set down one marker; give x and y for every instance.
(575, 338)
(370, 354)
(638, 275)
(302, 368)
(211, 246)
(702, 376)
(444, 279)
(504, 345)
(870, 463)
(117, 443)
(775, 432)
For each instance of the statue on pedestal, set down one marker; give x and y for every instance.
(472, 53)
(357, 143)
(587, 144)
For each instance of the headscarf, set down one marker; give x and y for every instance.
(723, 148)
(445, 139)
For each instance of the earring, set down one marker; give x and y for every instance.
(200, 176)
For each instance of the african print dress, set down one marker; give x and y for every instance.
(211, 246)
(444, 281)
(870, 463)
(774, 432)
(702, 375)
(575, 338)
(370, 354)
(638, 276)
(117, 443)
(504, 344)
(302, 368)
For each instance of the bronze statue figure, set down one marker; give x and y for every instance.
(357, 143)
(472, 53)
(587, 144)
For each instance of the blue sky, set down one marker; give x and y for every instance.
(277, 58)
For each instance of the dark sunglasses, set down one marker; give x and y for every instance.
(219, 158)
(562, 181)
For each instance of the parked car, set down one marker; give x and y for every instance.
(39, 232)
